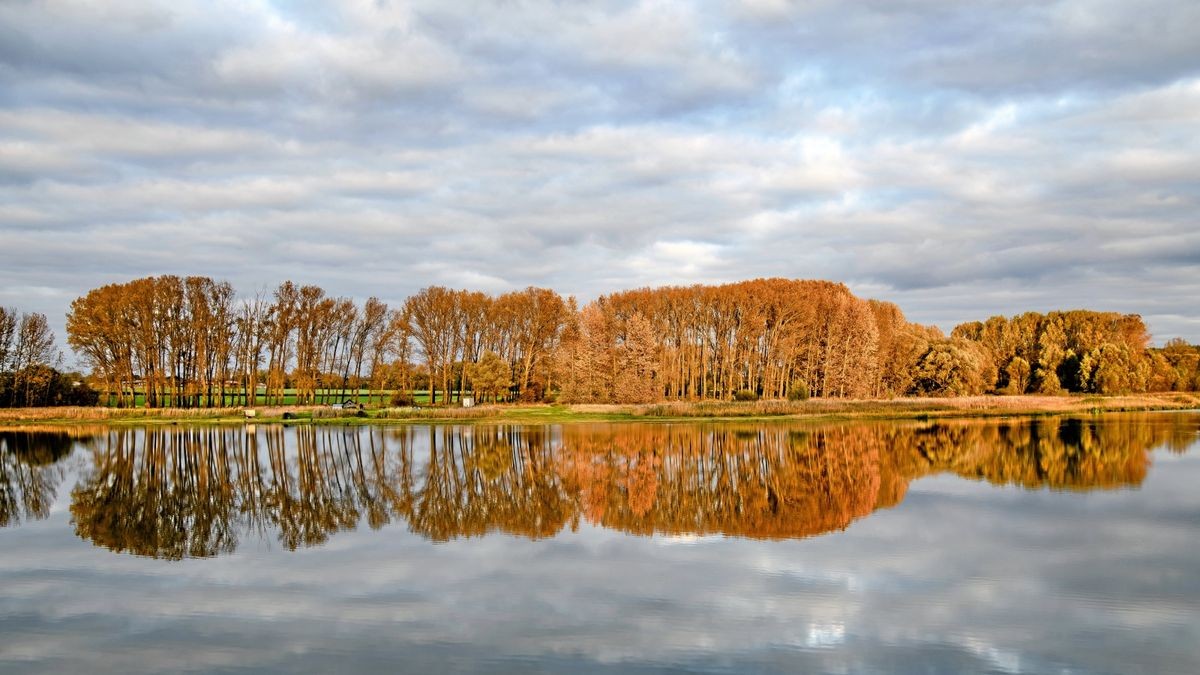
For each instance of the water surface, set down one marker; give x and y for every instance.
(972, 546)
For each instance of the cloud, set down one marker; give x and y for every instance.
(960, 161)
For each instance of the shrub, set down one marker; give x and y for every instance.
(798, 392)
(745, 395)
(401, 399)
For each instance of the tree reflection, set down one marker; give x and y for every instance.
(162, 493)
(1061, 454)
(484, 479)
(188, 493)
(753, 482)
(30, 473)
(176, 493)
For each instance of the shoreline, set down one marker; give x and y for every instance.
(675, 411)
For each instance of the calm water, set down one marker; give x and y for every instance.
(1059, 546)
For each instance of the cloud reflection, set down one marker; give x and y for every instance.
(948, 579)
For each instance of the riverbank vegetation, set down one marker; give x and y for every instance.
(191, 342)
(812, 409)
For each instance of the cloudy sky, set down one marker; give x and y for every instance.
(961, 159)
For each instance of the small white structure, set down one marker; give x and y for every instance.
(468, 401)
(250, 413)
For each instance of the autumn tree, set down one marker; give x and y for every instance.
(1056, 345)
(430, 315)
(491, 377)
(1112, 369)
(394, 367)
(253, 328)
(634, 376)
(953, 367)
(1018, 372)
(1184, 362)
(189, 341)
(585, 361)
(280, 340)
(538, 316)
(30, 358)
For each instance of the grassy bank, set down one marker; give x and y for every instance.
(824, 409)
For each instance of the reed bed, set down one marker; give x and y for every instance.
(82, 413)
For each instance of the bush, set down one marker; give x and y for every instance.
(798, 392)
(401, 399)
(745, 395)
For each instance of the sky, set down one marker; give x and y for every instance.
(959, 159)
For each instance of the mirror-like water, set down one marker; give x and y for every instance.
(960, 546)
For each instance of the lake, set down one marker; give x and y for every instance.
(1014, 546)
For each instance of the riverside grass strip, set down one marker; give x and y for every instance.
(899, 408)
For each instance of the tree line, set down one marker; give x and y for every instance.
(1057, 352)
(191, 342)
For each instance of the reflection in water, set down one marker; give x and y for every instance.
(192, 492)
(28, 476)
(762, 482)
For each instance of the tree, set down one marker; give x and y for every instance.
(1112, 369)
(1018, 371)
(1184, 360)
(530, 323)
(490, 376)
(8, 330)
(1051, 352)
(32, 360)
(585, 361)
(28, 365)
(253, 329)
(634, 380)
(953, 367)
(186, 341)
(430, 316)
